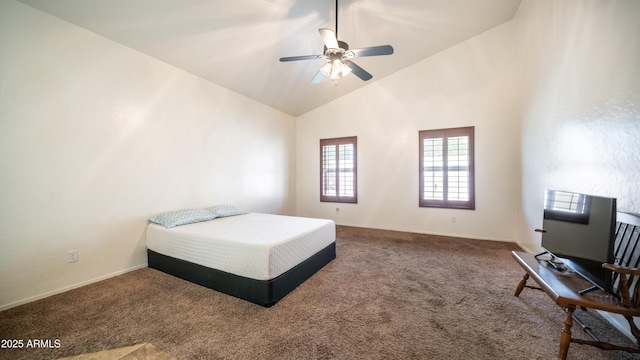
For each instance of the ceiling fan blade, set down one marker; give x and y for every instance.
(316, 79)
(303, 57)
(370, 51)
(329, 38)
(358, 71)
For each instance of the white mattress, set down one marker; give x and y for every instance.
(254, 245)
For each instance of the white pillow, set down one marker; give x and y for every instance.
(221, 211)
(182, 217)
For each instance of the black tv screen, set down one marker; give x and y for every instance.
(580, 229)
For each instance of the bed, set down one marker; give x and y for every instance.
(253, 256)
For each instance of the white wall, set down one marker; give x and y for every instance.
(471, 84)
(580, 115)
(95, 138)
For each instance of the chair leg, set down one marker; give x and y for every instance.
(565, 336)
(521, 284)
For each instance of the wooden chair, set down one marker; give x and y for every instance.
(564, 289)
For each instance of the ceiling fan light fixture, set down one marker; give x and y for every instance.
(335, 69)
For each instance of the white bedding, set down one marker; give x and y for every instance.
(255, 245)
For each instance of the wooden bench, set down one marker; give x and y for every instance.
(564, 287)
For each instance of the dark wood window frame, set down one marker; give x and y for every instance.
(337, 183)
(448, 200)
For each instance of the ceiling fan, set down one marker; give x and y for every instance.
(339, 56)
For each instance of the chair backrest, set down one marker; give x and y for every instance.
(627, 251)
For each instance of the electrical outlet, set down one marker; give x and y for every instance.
(454, 220)
(72, 256)
(337, 210)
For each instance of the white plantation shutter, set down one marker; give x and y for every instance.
(338, 170)
(446, 168)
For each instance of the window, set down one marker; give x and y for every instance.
(338, 175)
(446, 168)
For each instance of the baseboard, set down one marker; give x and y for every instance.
(527, 249)
(70, 287)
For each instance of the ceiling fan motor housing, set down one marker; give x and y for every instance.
(343, 45)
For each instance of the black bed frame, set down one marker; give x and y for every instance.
(261, 292)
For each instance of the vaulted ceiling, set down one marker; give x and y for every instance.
(237, 43)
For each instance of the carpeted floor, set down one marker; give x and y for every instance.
(387, 295)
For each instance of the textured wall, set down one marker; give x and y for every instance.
(95, 138)
(580, 93)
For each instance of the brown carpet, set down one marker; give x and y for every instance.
(388, 295)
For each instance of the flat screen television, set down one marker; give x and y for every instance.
(580, 229)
